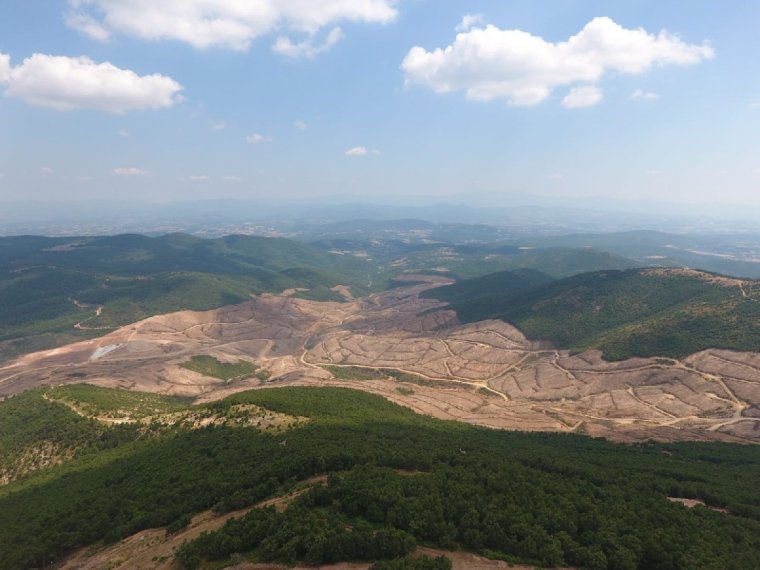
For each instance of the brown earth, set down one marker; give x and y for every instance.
(484, 373)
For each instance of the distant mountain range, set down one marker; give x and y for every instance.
(551, 216)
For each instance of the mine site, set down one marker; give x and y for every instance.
(416, 353)
(379, 285)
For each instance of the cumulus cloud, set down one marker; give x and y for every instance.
(5, 67)
(300, 125)
(68, 83)
(522, 69)
(47, 171)
(195, 178)
(129, 171)
(218, 125)
(645, 95)
(580, 97)
(468, 22)
(230, 24)
(308, 48)
(124, 133)
(257, 138)
(87, 25)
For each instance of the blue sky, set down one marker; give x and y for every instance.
(265, 99)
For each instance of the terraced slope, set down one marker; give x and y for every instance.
(414, 351)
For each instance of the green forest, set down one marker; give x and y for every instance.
(394, 480)
(623, 313)
(59, 290)
(50, 288)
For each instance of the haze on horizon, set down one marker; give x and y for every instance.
(380, 100)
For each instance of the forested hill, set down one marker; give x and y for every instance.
(639, 312)
(134, 254)
(48, 285)
(394, 480)
(493, 285)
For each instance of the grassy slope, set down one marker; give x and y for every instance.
(210, 366)
(547, 498)
(623, 313)
(134, 276)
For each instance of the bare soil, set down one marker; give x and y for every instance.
(485, 373)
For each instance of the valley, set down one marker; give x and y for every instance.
(414, 351)
(379, 285)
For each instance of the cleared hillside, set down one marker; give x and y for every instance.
(66, 288)
(54, 291)
(643, 312)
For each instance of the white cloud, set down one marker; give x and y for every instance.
(231, 178)
(231, 24)
(257, 138)
(468, 22)
(129, 171)
(5, 67)
(361, 151)
(87, 25)
(47, 171)
(195, 178)
(556, 176)
(580, 97)
(218, 125)
(645, 95)
(523, 69)
(300, 125)
(68, 83)
(755, 104)
(124, 133)
(307, 48)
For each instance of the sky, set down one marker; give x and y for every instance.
(380, 100)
